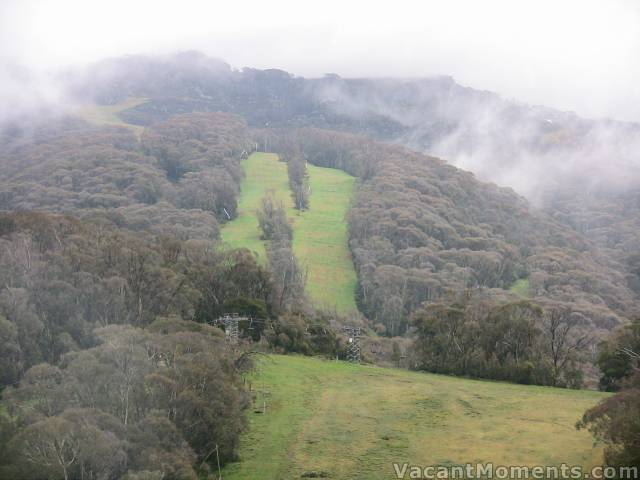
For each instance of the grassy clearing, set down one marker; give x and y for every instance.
(319, 234)
(320, 240)
(521, 287)
(353, 421)
(263, 174)
(108, 114)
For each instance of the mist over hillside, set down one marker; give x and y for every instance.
(533, 149)
(491, 238)
(584, 173)
(346, 240)
(565, 164)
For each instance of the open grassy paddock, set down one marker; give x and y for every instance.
(319, 234)
(348, 421)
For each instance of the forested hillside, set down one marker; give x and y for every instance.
(536, 149)
(177, 181)
(104, 337)
(421, 230)
(583, 172)
(114, 267)
(319, 232)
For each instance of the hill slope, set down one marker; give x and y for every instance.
(583, 171)
(109, 115)
(319, 234)
(353, 421)
(263, 174)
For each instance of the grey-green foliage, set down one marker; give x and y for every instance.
(420, 230)
(288, 277)
(139, 402)
(516, 341)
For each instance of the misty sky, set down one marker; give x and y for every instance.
(579, 55)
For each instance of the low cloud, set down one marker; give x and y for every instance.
(580, 55)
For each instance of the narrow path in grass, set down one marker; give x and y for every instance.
(319, 234)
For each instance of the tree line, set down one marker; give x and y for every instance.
(420, 230)
(181, 179)
(518, 341)
(107, 350)
(616, 420)
(140, 404)
(141, 272)
(289, 278)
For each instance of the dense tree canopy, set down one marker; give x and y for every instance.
(616, 420)
(516, 341)
(138, 401)
(111, 272)
(181, 180)
(62, 278)
(421, 229)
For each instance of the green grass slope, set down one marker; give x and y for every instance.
(521, 287)
(352, 422)
(319, 234)
(108, 114)
(263, 174)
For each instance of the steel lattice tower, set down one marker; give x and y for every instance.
(231, 328)
(353, 347)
